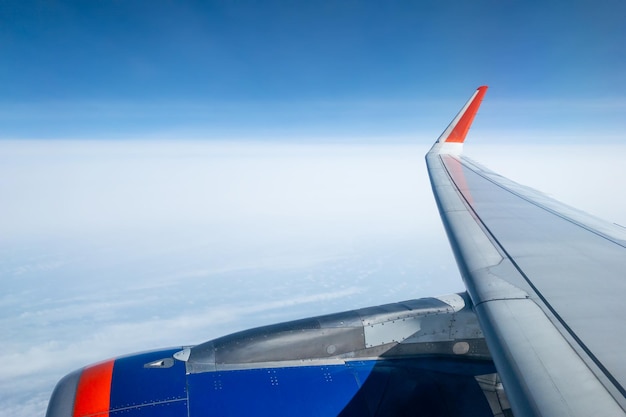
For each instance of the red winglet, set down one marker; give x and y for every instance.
(457, 130)
(94, 390)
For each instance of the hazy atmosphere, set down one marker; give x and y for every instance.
(173, 172)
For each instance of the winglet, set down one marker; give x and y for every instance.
(460, 125)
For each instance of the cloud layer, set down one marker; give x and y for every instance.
(117, 247)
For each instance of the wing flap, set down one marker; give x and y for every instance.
(547, 284)
(542, 374)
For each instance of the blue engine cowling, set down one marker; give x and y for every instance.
(418, 357)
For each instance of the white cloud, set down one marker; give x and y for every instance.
(126, 246)
(86, 187)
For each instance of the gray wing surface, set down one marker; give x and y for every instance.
(547, 282)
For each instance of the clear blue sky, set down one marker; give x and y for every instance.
(112, 69)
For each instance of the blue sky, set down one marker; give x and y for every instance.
(175, 171)
(120, 69)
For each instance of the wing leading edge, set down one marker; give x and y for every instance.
(546, 280)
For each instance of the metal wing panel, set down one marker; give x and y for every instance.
(575, 273)
(547, 281)
(545, 369)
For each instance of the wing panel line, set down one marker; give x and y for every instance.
(480, 173)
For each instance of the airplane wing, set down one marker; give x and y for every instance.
(547, 282)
